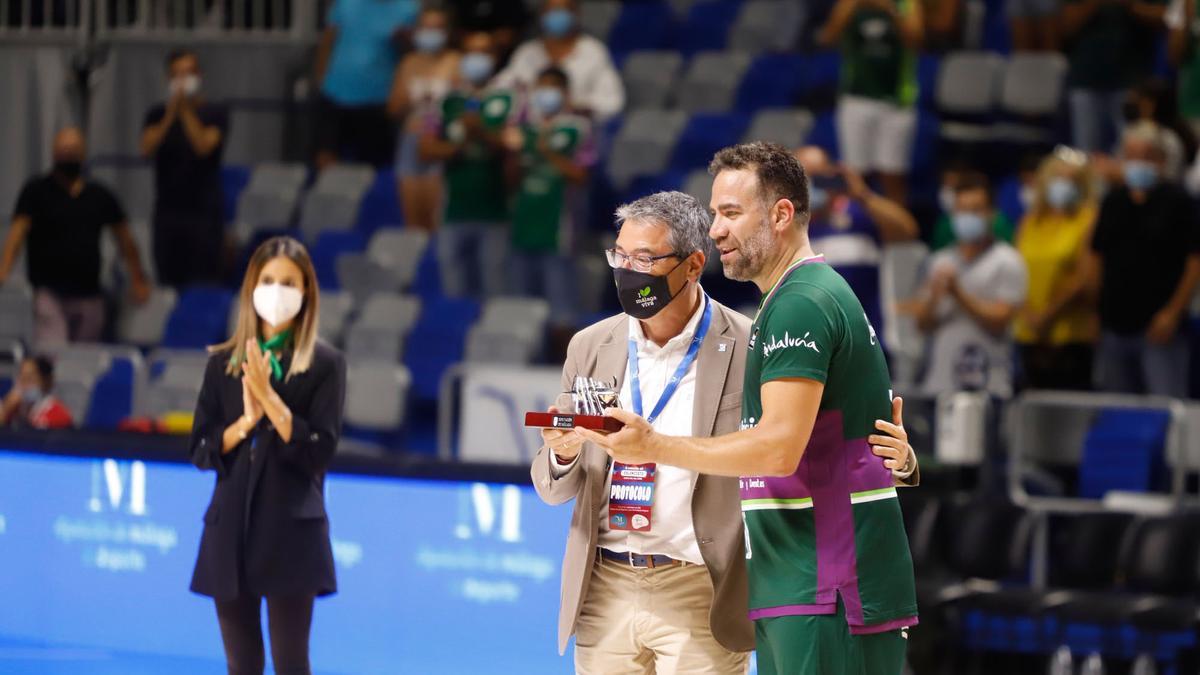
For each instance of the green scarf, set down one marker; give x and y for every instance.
(273, 348)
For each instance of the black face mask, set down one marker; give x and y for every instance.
(68, 169)
(643, 294)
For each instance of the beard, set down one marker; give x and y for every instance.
(751, 255)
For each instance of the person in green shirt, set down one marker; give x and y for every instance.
(876, 113)
(472, 245)
(549, 165)
(1110, 47)
(953, 174)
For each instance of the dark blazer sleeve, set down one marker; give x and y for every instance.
(316, 430)
(208, 424)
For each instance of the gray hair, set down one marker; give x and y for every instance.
(683, 215)
(1148, 132)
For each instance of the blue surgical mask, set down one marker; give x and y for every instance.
(1140, 174)
(969, 227)
(818, 199)
(476, 67)
(558, 22)
(547, 100)
(31, 395)
(429, 40)
(1062, 194)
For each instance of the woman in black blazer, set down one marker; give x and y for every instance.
(268, 421)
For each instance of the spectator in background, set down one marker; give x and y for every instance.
(971, 295)
(472, 246)
(1146, 259)
(185, 137)
(876, 117)
(422, 81)
(552, 154)
(1111, 46)
(848, 223)
(31, 402)
(1154, 100)
(596, 87)
(1056, 331)
(1034, 24)
(62, 215)
(953, 174)
(504, 20)
(1182, 49)
(356, 59)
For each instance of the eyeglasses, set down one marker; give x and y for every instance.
(639, 262)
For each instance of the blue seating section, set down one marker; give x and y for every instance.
(707, 26)
(112, 397)
(328, 247)
(1124, 451)
(200, 318)
(438, 341)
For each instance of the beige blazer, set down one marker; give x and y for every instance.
(601, 351)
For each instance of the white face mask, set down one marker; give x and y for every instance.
(277, 304)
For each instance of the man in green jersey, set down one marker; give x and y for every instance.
(472, 245)
(831, 577)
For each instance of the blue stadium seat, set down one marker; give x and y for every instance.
(824, 134)
(641, 186)
(200, 318)
(381, 204)
(438, 341)
(707, 26)
(234, 179)
(328, 247)
(642, 25)
(703, 136)
(112, 396)
(773, 81)
(822, 71)
(1124, 450)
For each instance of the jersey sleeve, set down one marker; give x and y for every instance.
(798, 335)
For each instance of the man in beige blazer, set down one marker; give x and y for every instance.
(673, 598)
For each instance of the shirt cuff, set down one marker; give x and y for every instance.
(557, 469)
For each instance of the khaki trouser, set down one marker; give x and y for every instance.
(650, 621)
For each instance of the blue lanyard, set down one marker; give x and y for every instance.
(635, 385)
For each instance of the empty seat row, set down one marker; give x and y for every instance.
(973, 88)
(652, 141)
(690, 25)
(511, 330)
(275, 195)
(720, 81)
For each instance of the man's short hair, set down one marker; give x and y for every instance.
(1147, 132)
(179, 53)
(975, 180)
(682, 214)
(557, 74)
(780, 175)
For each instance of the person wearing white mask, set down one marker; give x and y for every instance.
(422, 80)
(1056, 331)
(596, 87)
(1145, 260)
(185, 136)
(31, 403)
(267, 422)
(972, 292)
(943, 231)
(472, 244)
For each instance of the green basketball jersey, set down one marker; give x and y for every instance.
(475, 189)
(542, 197)
(875, 61)
(833, 528)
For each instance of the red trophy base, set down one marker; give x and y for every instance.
(547, 420)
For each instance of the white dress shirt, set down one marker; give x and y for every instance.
(671, 530)
(595, 84)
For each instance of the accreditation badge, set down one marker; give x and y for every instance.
(631, 497)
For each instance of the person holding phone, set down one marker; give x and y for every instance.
(267, 423)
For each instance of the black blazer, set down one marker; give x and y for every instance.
(265, 531)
